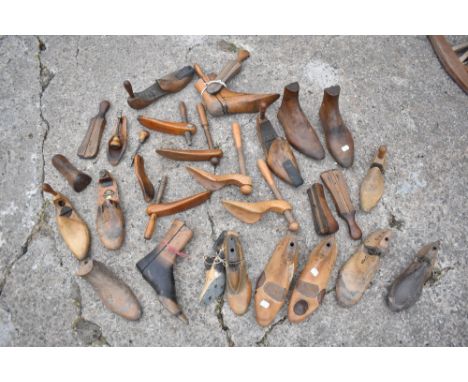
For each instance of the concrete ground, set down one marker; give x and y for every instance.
(394, 91)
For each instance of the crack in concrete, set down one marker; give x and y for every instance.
(264, 340)
(222, 324)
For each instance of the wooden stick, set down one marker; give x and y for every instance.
(152, 221)
(293, 224)
(183, 114)
(204, 122)
(236, 133)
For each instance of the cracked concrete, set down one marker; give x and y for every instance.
(394, 91)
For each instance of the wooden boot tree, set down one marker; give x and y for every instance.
(274, 282)
(359, 270)
(171, 83)
(297, 128)
(90, 145)
(157, 268)
(113, 292)
(336, 184)
(337, 136)
(407, 288)
(110, 222)
(72, 228)
(214, 182)
(372, 187)
(227, 101)
(229, 70)
(118, 142)
(311, 285)
(278, 154)
(75, 178)
(252, 212)
(146, 186)
(293, 225)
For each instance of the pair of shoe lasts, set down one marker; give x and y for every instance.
(226, 272)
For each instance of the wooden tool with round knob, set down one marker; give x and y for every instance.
(236, 133)
(266, 173)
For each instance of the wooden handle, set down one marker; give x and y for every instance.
(47, 188)
(128, 87)
(202, 115)
(103, 107)
(183, 111)
(143, 136)
(75, 178)
(236, 133)
(354, 230)
(204, 122)
(161, 189)
(200, 73)
(149, 231)
(242, 55)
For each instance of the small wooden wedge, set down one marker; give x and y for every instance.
(406, 290)
(336, 184)
(110, 222)
(167, 127)
(157, 267)
(324, 222)
(165, 209)
(118, 143)
(75, 178)
(229, 70)
(297, 128)
(146, 186)
(238, 291)
(339, 140)
(372, 187)
(293, 225)
(278, 154)
(72, 228)
(252, 212)
(311, 285)
(273, 284)
(170, 83)
(357, 273)
(90, 145)
(113, 292)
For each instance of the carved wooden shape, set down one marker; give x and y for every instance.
(167, 127)
(337, 136)
(118, 142)
(110, 222)
(372, 187)
(215, 182)
(336, 184)
(324, 222)
(215, 273)
(274, 282)
(90, 145)
(75, 178)
(297, 128)
(406, 290)
(293, 225)
(206, 128)
(146, 186)
(166, 209)
(72, 228)
(227, 72)
(252, 212)
(312, 283)
(359, 270)
(278, 154)
(227, 101)
(113, 292)
(238, 291)
(190, 155)
(171, 83)
(157, 268)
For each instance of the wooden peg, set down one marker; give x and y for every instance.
(236, 133)
(204, 122)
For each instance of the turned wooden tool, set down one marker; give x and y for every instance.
(312, 283)
(118, 143)
(145, 184)
(75, 178)
(274, 282)
(110, 221)
(324, 222)
(215, 272)
(407, 288)
(227, 101)
(90, 145)
(372, 187)
(206, 128)
(142, 137)
(167, 127)
(165, 209)
(214, 182)
(336, 184)
(113, 292)
(293, 224)
(183, 115)
(357, 273)
(157, 267)
(227, 72)
(252, 212)
(72, 228)
(337, 136)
